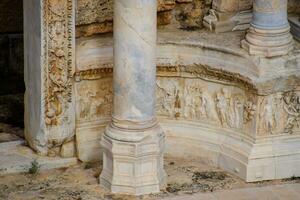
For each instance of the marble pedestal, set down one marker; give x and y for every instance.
(133, 167)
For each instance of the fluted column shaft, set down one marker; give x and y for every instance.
(269, 34)
(134, 142)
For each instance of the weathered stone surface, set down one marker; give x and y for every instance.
(68, 150)
(190, 14)
(16, 157)
(96, 16)
(229, 15)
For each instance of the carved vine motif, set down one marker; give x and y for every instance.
(58, 60)
(292, 108)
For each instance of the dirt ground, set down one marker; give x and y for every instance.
(81, 182)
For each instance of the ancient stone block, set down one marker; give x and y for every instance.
(68, 150)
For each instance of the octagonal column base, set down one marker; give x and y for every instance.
(134, 168)
(268, 43)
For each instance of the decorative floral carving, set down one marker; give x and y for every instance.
(292, 108)
(58, 58)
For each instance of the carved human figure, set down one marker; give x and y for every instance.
(236, 114)
(167, 92)
(189, 103)
(208, 108)
(222, 106)
(249, 111)
(270, 115)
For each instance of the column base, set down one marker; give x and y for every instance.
(225, 22)
(268, 43)
(134, 168)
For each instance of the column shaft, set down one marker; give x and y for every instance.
(134, 142)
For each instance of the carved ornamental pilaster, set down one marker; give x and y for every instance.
(49, 68)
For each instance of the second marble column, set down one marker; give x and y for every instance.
(134, 142)
(269, 34)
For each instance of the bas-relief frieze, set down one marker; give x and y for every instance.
(198, 98)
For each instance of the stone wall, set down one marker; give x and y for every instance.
(95, 16)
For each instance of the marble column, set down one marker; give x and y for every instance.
(134, 142)
(269, 34)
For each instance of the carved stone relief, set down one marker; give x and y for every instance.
(292, 108)
(94, 99)
(59, 55)
(58, 68)
(168, 98)
(279, 113)
(198, 100)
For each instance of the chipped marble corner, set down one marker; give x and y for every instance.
(58, 68)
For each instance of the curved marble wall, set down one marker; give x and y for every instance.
(214, 102)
